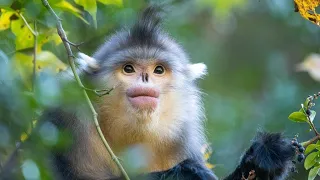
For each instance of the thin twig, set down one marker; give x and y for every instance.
(25, 22)
(74, 44)
(63, 36)
(35, 46)
(9, 165)
(100, 92)
(312, 126)
(307, 143)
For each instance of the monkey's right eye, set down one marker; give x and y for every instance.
(128, 69)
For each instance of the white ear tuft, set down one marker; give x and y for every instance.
(197, 70)
(87, 63)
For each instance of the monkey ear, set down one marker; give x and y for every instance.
(87, 63)
(197, 70)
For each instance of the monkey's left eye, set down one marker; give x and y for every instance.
(159, 70)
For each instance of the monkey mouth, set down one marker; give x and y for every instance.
(143, 98)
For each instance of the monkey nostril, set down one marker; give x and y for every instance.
(147, 77)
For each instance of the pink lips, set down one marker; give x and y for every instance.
(143, 98)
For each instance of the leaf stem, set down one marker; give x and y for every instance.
(66, 43)
(26, 23)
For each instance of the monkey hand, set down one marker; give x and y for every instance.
(269, 157)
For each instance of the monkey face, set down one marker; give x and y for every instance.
(142, 84)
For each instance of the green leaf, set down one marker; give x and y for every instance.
(298, 117)
(24, 37)
(66, 6)
(5, 3)
(47, 36)
(91, 7)
(311, 147)
(313, 173)
(45, 60)
(114, 2)
(310, 160)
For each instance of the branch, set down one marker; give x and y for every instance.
(66, 43)
(312, 126)
(25, 21)
(307, 143)
(10, 163)
(35, 35)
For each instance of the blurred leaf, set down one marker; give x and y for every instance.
(45, 60)
(310, 160)
(66, 6)
(298, 117)
(91, 7)
(24, 136)
(115, 2)
(5, 3)
(311, 147)
(5, 19)
(307, 9)
(24, 37)
(47, 36)
(313, 173)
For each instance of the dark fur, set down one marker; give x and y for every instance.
(270, 156)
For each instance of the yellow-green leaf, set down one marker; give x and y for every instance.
(45, 60)
(47, 36)
(5, 19)
(298, 117)
(114, 2)
(24, 37)
(313, 173)
(310, 160)
(66, 6)
(311, 147)
(91, 7)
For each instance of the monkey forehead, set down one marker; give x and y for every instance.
(122, 48)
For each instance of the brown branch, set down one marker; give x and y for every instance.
(66, 43)
(310, 141)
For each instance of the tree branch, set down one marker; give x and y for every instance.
(307, 143)
(66, 43)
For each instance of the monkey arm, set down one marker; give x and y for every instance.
(269, 157)
(187, 170)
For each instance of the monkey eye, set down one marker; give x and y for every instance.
(159, 70)
(128, 68)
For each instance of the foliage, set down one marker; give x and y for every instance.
(305, 115)
(230, 86)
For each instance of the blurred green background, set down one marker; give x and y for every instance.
(251, 49)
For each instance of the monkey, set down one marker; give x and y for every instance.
(155, 103)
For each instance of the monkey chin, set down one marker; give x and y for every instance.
(143, 109)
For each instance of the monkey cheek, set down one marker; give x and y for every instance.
(144, 102)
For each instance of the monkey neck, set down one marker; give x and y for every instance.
(159, 140)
